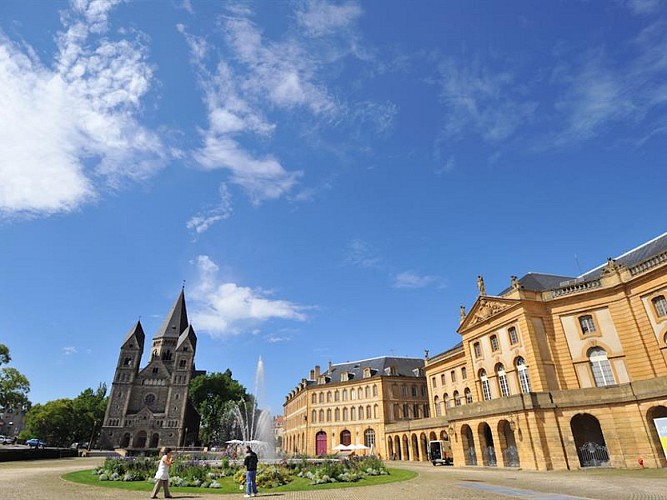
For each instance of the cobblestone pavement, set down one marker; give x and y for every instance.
(37, 480)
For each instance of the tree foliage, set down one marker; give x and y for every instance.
(214, 395)
(64, 421)
(14, 386)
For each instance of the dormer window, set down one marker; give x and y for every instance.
(367, 373)
(344, 376)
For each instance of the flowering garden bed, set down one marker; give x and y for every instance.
(227, 477)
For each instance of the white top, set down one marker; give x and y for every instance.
(163, 469)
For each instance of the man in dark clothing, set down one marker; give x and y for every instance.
(250, 463)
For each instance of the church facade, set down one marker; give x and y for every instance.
(150, 407)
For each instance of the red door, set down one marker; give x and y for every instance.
(321, 443)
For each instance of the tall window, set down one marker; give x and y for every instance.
(464, 373)
(329, 397)
(321, 397)
(329, 415)
(368, 392)
(457, 398)
(468, 395)
(436, 403)
(353, 413)
(587, 324)
(344, 394)
(361, 413)
(345, 413)
(494, 343)
(514, 337)
(660, 304)
(314, 400)
(477, 349)
(446, 398)
(369, 438)
(313, 416)
(502, 381)
(413, 391)
(452, 375)
(321, 415)
(375, 391)
(600, 366)
(432, 381)
(406, 411)
(336, 396)
(522, 370)
(337, 415)
(369, 415)
(442, 379)
(353, 394)
(486, 387)
(360, 393)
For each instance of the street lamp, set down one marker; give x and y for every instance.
(92, 435)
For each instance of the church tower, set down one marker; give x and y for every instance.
(150, 407)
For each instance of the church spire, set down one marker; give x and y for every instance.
(177, 320)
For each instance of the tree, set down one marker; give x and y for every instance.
(14, 386)
(214, 395)
(64, 421)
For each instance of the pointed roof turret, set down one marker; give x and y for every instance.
(137, 332)
(188, 334)
(177, 320)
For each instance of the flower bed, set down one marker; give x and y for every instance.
(187, 471)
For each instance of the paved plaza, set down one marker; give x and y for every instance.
(37, 480)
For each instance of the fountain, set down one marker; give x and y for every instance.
(255, 424)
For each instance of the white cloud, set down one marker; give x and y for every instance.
(70, 130)
(359, 253)
(320, 18)
(67, 351)
(201, 222)
(409, 279)
(644, 7)
(261, 178)
(480, 100)
(274, 339)
(222, 309)
(601, 90)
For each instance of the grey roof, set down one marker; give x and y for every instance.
(451, 350)
(539, 282)
(138, 332)
(633, 257)
(403, 367)
(177, 320)
(188, 333)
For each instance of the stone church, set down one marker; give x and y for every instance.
(150, 407)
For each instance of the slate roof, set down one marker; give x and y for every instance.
(633, 257)
(539, 282)
(177, 320)
(379, 367)
(137, 331)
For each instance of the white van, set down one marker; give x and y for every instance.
(439, 452)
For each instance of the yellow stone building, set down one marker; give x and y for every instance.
(352, 403)
(554, 372)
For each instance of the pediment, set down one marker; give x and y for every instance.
(486, 307)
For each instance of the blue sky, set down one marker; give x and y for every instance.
(328, 178)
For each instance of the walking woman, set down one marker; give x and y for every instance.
(162, 474)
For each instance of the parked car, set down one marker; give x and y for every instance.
(79, 446)
(7, 440)
(35, 443)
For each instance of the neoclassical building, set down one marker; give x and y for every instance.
(554, 372)
(149, 407)
(351, 404)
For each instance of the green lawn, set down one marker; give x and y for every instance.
(229, 486)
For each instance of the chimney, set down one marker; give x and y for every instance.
(329, 369)
(317, 371)
(312, 375)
